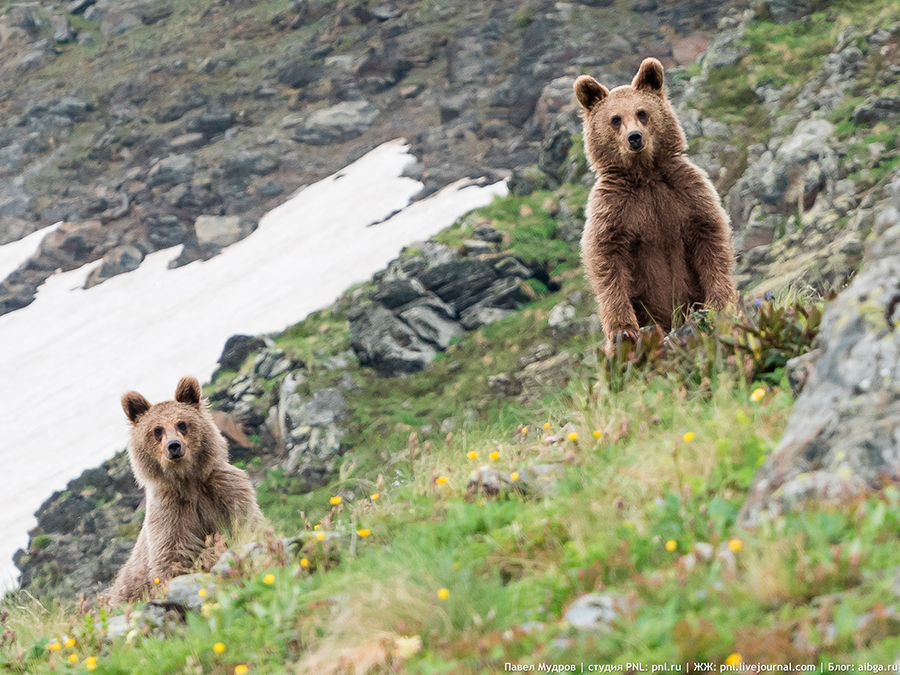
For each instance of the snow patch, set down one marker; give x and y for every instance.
(68, 357)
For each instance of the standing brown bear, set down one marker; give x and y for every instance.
(181, 460)
(657, 241)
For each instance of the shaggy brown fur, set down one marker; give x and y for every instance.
(181, 460)
(657, 241)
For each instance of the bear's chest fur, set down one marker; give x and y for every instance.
(653, 221)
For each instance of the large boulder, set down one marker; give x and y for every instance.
(237, 349)
(310, 431)
(220, 231)
(842, 437)
(384, 342)
(342, 122)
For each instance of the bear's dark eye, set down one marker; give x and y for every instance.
(182, 427)
(157, 432)
(642, 115)
(616, 121)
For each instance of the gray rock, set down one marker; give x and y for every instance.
(561, 317)
(535, 481)
(213, 121)
(173, 169)
(188, 142)
(270, 363)
(478, 247)
(245, 164)
(799, 368)
(785, 11)
(237, 349)
(842, 436)
(451, 107)
(504, 384)
(384, 342)
(78, 6)
(461, 282)
(220, 231)
(164, 231)
(510, 267)
(552, 373)
(556, 145)
(62, 29)
(479, 315)
(431, 326)
(310, 432)
(527, 179)
(119, 260)
(185, 591)
(594, 611)
(880, 109)
(337, 124)
(394, 293)
(507, 293)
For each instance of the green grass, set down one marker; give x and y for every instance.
(628, 481)
(507, 561)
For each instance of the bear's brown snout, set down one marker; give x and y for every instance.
(175, 449)
(636, 141)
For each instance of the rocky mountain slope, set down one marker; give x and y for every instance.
(146, 124)
(465, 479)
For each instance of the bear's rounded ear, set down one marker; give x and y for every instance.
(134, 406)
(649, 77)
(188, 391)
(589, 92)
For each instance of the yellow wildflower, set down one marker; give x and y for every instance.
(671, 545)
(70, 642)
(320, 536)
(734, 660)
(573, 436)
(495, 455)
(735, 545)
(202, 592)
(472, 454)
(442, 480)
(156, 580)
(269, 579)
(219, 647)
(524, 430)
(375, 496)
(597, 433)
(241, 670)
(335, 500)
(73, 658)
(54, 646)
(316, 527)
(304, 562)
(90, 663)
(364, 532)
(514, 476)
(546, 425)
(688, 437)
(757, 395)
(443, 593)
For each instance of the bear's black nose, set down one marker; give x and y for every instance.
(175, 450)
(635, 140)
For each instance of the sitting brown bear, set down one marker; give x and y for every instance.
(657, 241)
(181, 460)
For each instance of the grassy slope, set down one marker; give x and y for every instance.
(798, 589)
